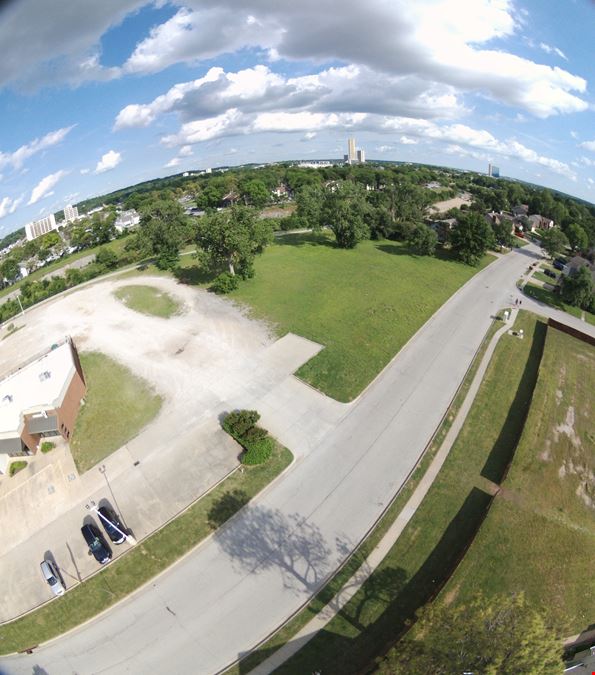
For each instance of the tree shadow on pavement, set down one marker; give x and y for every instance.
(264, 539)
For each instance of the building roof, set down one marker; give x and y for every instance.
(36, 386)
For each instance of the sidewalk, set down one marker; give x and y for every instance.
(353, 585)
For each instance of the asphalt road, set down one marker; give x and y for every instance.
(241, 584)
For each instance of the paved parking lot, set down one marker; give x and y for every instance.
(209, 359)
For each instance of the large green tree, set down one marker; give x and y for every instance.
(471, 237)
(255, 193)
(577, 289)
(309, 199)
(231, 239)
(423, 239)
(9, 269)
(164, 228)
(553, 241)
(503, 233)
(343, 212)
(577, 237)
(497, 636)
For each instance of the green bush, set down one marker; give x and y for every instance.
(47, 446)
(15, 467)
(258, 452)
(239, 422)
(225, 283)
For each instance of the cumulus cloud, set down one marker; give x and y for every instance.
(84, 172)
(109, 161)
(552, 50)
(45, 187)
(175, 161)
(9, 205)
(17, 158)
(405, 140)
(588, 145)
(440, 41)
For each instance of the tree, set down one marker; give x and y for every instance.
(256, 193)
(309, 199)
(577, 237)
(503, 233)
(553, 241)
(343, 211)
(10, 270)
(423, 240)
(499, 636)
(107, 258)
(577, 289)
(164, 228)
(231, 239)
(471, 237)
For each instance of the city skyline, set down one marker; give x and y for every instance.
(135, 90)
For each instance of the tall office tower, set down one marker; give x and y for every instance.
(70, 213)
(351, 154)
(40, 227)
(361, 156)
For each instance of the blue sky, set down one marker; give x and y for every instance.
(96, 96)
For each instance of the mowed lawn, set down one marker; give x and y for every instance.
(148, 300)
(361, 304)
(539, 536)
(118, 405)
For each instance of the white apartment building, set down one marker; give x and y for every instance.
(38, 228)
(71, 213)
(126, 219)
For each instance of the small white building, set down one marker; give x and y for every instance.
(126, 219)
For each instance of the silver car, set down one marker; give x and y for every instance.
(52, 576)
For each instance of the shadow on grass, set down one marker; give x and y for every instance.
(544, 296)
(306, 238)
(402, 249)
(192, 276)
(401, 598)
(501, 454)
(226, 506)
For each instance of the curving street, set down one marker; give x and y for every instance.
(239, 585)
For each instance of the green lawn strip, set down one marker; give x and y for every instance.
(519, 243)
(550, 298)
(144, 561)
(362, 304)
(539, 536)
(118, 404)
(116, 245)
(361, 553)
(540, 276)
(148, 300)
(444, 523)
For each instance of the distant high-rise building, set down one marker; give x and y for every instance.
(351, 154)
(361, 156)
(71, 213)
(37, 228)
(493, 170)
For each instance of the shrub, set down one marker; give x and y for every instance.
(259, 452)
(15, 467)
(254, 435)
(238, 422)
(225, 283)
(47, 446)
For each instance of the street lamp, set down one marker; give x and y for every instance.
(92, 506)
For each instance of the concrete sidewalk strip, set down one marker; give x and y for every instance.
(353, 585)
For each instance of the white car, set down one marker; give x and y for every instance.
(52, 576)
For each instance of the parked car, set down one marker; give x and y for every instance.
(111, 524)
(549, 273)
(96, 543)
(558, 264)
(52, 576)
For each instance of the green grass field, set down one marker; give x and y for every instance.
(539, 536)
(144, 561)
(550, 298)
(362, 304)
(444, 523)
(118, 405)
(148, 300)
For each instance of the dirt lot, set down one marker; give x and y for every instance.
(208, 359)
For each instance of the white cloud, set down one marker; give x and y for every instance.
(405, 140)
(587, 162)
(590, 181)
(45, 187)
(574, 135)
(552, 50)
(108, 161)
(588, 145)
(17, 158)
(384, 148)
(309, 135)
(83, 172)
(175, 161)
(441, 41)
(185, 151)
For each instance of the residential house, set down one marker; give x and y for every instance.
(443, 228)
(537, 222)
(126, 219)
(520, 210)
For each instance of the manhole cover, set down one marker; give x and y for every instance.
(51, 489)
(71, 476)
